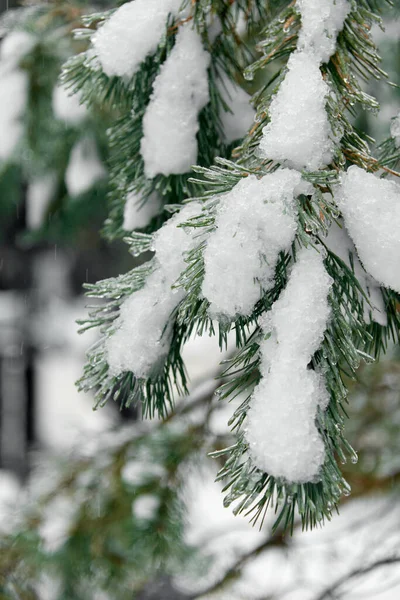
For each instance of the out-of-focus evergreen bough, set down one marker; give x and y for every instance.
(52, 151)
(292, 243)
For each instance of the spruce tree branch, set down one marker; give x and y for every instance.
(331, 591)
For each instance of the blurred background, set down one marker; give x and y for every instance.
(99, 504)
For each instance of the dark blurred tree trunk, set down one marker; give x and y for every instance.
(6, 4)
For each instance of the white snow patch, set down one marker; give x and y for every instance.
(283, 438)
(371, 211)
(13, 101)
(145, 507)
(321, 21)
(237, 121)
(58, 518)
(131, 34)
(139, 212)
(10, 493)
(15, 46)
(143, 337)
(84, 167)
(211, 528)
(67, 106)
(299, 134)
(63, 415)
(39, 194)
(137, 472)
(254, 223)
(395, 130)
(13, 90)
(180, 91)
(339, 242)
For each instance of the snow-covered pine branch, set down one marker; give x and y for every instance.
(264, 254)
(172, 70)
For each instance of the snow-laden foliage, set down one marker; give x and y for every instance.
(143, 333)
(254, 223)
(260, 249)
(281, 432)
(131, 34)
(180, 92)
(14, 84)
(371, 211)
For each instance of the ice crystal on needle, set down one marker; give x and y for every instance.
(283, 438)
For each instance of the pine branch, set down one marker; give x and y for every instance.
(350, 335)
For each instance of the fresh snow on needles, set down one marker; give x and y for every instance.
(371, 211)
(143, 336)
(283, 438)
(299, 134)
(131, 34)
(395, 130)
(180, 91)
(339, 242)
(254, 222)
(321, 21)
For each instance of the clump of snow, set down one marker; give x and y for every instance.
(339, 242)
(13, 101)
(67, 106)
(137, 472)
(10, 493)
(371, 211)
(14, 84)
(84, 167)
(15, 46)
(254, 223)
(58, 518)
(39, 194)
(237, 121)
(321, 21)
(283, 438)
(143, 336)
(138, 211)
(299, 134)
(180, 91)
(395, 130)
(131, 34)
(145, 507)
